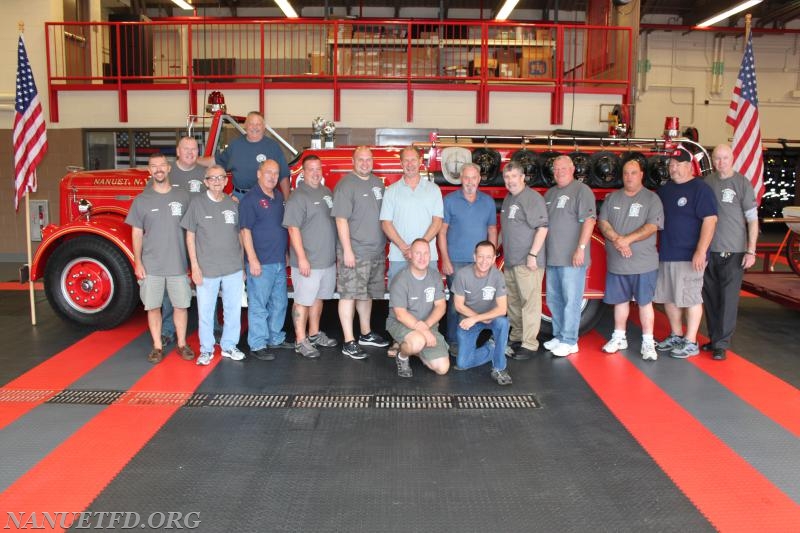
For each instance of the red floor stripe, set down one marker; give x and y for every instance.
(726, 489)
(66, 367)
(73, 475)
(17, 286)
(768, 394)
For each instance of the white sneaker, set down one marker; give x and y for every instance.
(205, 358)
(649, 351)
(615, 344)
(233, 354)
(563, 350)
(552, 343)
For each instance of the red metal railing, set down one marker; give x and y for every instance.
(484, 57)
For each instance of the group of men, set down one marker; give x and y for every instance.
(336, 241)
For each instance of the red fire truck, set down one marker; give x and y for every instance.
(86, 260)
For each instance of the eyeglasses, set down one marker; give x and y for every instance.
(216, 178)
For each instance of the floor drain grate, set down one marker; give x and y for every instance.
(277, 401)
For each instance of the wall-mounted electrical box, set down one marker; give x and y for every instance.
(40, 217)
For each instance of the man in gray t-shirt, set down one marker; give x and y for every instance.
(629, 219)
(215, 254)
(361, 252)
(416, 302)
(733, 249)
(312, 235)
(479, 294)
(159, 254)
(523, 222)
(571, 211)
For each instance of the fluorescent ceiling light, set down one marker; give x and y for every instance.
(506, 10)
(287, 8)
(729, 12)
(183, 4)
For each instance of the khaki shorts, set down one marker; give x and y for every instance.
(151, 291)
(398, 331)
(319, 285)
(364, 282)
(679, 283)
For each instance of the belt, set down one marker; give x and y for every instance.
(725, 255)
(243, 191)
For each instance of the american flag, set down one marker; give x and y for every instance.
(743, 116)
(30, 137)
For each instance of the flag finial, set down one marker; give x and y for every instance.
(21, 26)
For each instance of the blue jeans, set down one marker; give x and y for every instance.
(452, 315)
(267, 300)
(232, 286)
(469, 356)
(564, 296)
(167, 323)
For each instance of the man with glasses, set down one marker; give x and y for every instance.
(215, 255)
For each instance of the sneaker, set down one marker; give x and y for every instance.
(686, 349)
(669, 343)
(166, 340)
(502, 377)
(372, 339)
(185, 352)
(563, 350)
(155, 356)
(452, 349)
(205, 358)
(615, 344)
(320, 339)
(523, 354)
(403, 367)
(282, 346)
(306, 349)
(552, 343)
(353, 351)
(234, 354)
(719, 354)
(262, 354)
(648, 351)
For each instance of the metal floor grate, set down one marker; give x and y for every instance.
(285, 401)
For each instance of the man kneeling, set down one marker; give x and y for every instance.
(479, 292)
(416, 302)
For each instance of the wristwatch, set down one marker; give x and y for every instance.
(582, 246)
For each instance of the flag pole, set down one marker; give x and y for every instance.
(30, 256)
(21, 27)
(747, 19)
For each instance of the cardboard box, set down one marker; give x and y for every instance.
(343, 31)
(536, 62)
(344, 61)
(366, 36)
(394, 63)
(506, 56)
(508, 70)
(424, 61)
(542, 34)
(319, 62)
(366, 63)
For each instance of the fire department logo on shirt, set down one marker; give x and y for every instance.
(634, 210)
(377, 193)
(328, 201)
(512, 212)
(728, 195)
(176, 209)
(682, 201)
(264, 203)
(261, 158)
(195, 185)
(229, 216)
(562, 201)
(429, 293)
(487, 293)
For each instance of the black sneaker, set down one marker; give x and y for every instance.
(523, 354)
(352, 350)
(719, 354)
(372, 339)
(282, 346)
(403, 367)
(263, 354)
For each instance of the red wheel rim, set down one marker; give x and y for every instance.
(87, 285)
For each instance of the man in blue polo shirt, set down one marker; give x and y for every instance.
(470, 217)
(264, 240)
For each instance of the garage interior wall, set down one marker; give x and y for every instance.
(674, 77)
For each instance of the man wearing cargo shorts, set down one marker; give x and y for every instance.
(523, 222)
(416, 304)
(312, 235)
(159, 254)
(690, 217)
(360, 258)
